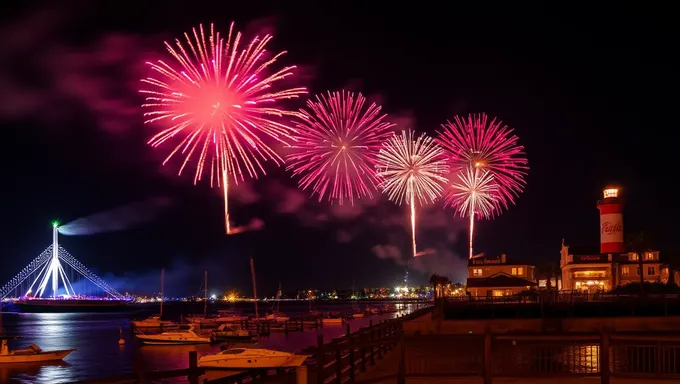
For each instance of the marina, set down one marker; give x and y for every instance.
(95, 338)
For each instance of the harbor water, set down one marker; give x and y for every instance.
(98, 355)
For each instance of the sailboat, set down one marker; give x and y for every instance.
(277, 316)
(155, 321)
(204, 320)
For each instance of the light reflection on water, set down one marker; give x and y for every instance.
(98, 355)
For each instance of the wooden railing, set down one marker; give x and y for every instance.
(340, 360)
(489, 356)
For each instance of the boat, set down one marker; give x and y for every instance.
(181, 336)
(154, 321)
(31, 354)
(277, 317)
(249, 358)
(227, 318)
(332, 320)
(230, 332)
(358, 315)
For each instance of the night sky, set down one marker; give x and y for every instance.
(576, 85)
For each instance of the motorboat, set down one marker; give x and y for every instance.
(249, 358)
(230, 332)
(332, 321)
(227, 318)
(181, 336)
(358, 315)
(31, 354)
(277, 317)
(152, 322)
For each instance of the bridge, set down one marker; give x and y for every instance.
(55, 273)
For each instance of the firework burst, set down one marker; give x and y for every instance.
(215, 106)
(412, 170)
(486, 154)
(336, 145)
(474, 193)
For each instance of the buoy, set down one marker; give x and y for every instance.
(121, 341)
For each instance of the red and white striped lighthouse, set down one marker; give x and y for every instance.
(611, 222)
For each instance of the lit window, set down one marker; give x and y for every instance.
(625, 271)
(637, 271)
(633, 257)
(477, 272)
(519, 271)
(651, 271)
(649, 256)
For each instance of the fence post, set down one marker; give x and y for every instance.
(320, 353)
(487, 355)
(372, 338)
(401, 379)
(350, 355)
(604, 357)
(301, 374)
(362, 340)
(338, 363)
(193, 366)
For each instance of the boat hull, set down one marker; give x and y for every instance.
(249, 362)
(35, 357)
(62, 306)
(160, 340)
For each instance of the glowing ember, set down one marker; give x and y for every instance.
(216, 106)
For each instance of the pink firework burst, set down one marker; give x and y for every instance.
(215, 106)
(412, 169)
(489, 145)
(336, 145)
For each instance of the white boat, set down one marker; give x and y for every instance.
(230, 318)
(31, 354)
(358, 315)
(152, 322)
(248, 358)
(182, 336)
(230, 332)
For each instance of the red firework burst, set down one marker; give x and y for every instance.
(490, 145)
(336, 145)
(215, 105)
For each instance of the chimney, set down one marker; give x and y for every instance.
(503, 258)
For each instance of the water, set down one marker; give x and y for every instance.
(98, 355)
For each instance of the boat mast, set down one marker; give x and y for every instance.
(162, 290)
(252, 275)
(205, 296)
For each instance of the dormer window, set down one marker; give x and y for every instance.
(633, 256)
(650, 256)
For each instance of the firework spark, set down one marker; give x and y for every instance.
(476, 143)
(412, 169)
(474, 193)
(215, 106)
(336, 145)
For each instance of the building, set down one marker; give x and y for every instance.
(499, 276)
(611, 264)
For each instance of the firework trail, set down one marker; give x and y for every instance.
(412, 169)
(477, 143)
(336, 146)
(474, 193)
(215, 106)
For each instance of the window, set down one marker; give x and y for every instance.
(651, 271)
(625, 271)
(519, 271)
(637, 271)
(477, 272)
(582, 274)
(501, 292)
(633, 257)
(649, 256)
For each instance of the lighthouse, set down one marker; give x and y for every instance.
(611, 222)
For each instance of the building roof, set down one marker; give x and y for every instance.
(500, 260)
(499, 280)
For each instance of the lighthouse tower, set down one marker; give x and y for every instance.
(611, 222)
